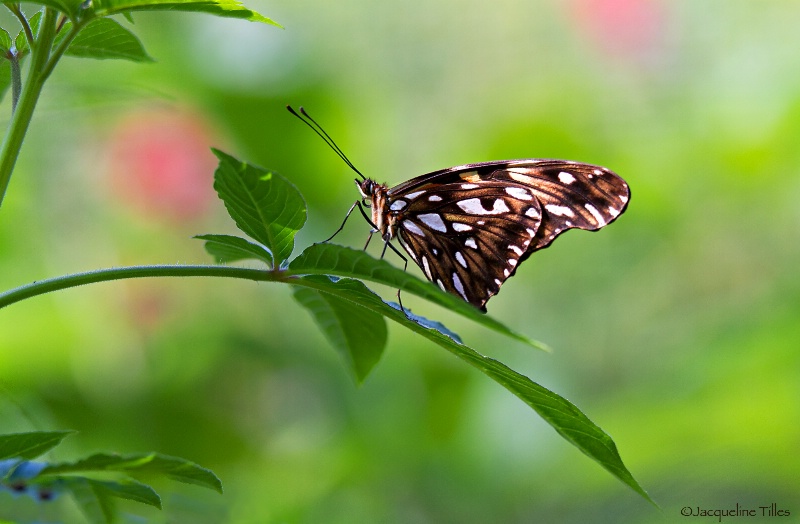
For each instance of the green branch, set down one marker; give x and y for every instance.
(41, 287)
(27, 102)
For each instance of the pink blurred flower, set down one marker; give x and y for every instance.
(161, 164)
(627, 28)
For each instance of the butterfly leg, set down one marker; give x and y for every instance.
(349, 212)
(405, 268)
(343, 223)
(371, 232)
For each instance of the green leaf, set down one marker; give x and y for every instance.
(333, 259)
(357, 333)
(226, 8)
(227, 248)
(96, 497)
(102, 8)
(96, 504)
(5, 41)
(562, 415)
(263, 204)
(175, 468)
(106, 38)
(21, 41)
(30, 445)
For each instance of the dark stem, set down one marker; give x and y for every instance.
(16, 80)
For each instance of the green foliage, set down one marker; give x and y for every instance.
(358, 333)
(320, 259)
(226, 8)
(106, 38)
(5, 41)
(30, 445)
(21, 41)
(263, 204)
(96, 496)
(76, 9)
(228, 248)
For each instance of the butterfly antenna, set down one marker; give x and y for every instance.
(310, 122)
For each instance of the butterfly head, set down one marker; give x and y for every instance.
(366, 187)
(374, 197)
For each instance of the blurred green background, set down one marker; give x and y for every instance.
(675, 329)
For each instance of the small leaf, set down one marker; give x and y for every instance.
(21, 41)
(96, 504)
(346, 262)
(263, 204)
(176, 468)
(5, 42)
(226, 8)
(30, 445)
(227, 248)
(562, 415)
(96, 497)
(106, 38)
(357, 333)
(128, 489)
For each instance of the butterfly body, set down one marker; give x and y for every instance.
(469, 227)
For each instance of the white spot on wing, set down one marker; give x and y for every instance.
(469, 186)
(458, 226)
(434, 198)
(415, 194)
(439, 282)
(498, 282)
(519, 193)
(530, 231)
(532, 212)
(414, 228)
(459, 286)
(405, 246)
(597, 172)
(461, 260)
(525, 179)
(560, 211)
(516, 250)
(427, 268)
(512, 262)
(433, 221)
(506, 273)
(473, 206)
(470, 242)
(566, 178)
(397, 205)
(596, 214)
(623, 198)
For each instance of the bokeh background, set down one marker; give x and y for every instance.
(676, 329)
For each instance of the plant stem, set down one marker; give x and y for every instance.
(27, 102)
(16, 80)
(41, 287)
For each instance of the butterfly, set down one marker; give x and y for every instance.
(469, 227)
